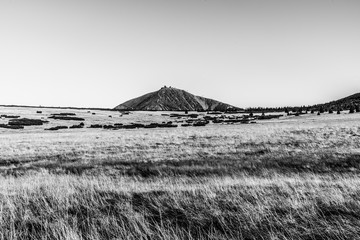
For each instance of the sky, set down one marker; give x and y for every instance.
(247, 53)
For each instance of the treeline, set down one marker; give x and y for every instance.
(350, 103)
(320, 108)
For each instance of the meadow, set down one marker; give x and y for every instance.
(296, 177)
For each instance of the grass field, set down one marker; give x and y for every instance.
(289, 178)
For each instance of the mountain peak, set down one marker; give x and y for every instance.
(172, 99)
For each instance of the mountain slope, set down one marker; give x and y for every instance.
(172, 99)
(343, 103)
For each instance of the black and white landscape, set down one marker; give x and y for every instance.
(179, 119)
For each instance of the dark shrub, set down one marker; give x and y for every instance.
(95, 126)
(63, 114)
(26, 122)
(9, 116)
(81, 125)
(58, 117)
(108, 127)
(352, 109)
(56, 128)
(151, 125)
(199, 124)
(11, 127)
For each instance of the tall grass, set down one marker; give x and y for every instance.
(307, 206)
(297, 178)
(307, 144)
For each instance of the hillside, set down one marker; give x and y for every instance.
(346, 103)
(173, 99)
(341, 104)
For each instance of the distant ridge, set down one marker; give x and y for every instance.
(343, 103)
(173, 99)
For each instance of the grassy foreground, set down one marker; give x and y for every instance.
(296, 178)
(305, 206)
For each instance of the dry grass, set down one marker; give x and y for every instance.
(293, 178)
(244, 207)
(321, 146)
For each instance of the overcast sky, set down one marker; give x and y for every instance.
(100, 53)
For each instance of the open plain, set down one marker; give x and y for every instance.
(295, 177)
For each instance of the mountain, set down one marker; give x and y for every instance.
(343, 103)
(173, 99)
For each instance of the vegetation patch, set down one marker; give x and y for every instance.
(26, 122)
(59, 117)
(56, 128)
(11, 126)
(9, 116)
